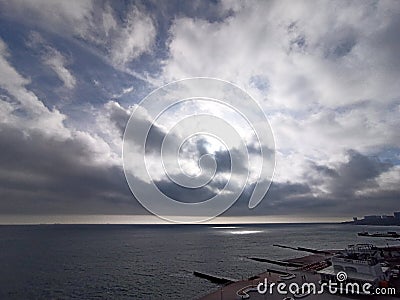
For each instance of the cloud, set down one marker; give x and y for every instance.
(36, 114)
(123, 92)
(47, 167)
(118, 37)
(358, 186)
(57, 63)
(53, 58)
(46, 175)
(358, 173)
(308, 59)
(328, 82)
(136, 37)
(118, 115)
(55, 16)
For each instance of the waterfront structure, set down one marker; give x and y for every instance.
(378, 220)
(361, 263)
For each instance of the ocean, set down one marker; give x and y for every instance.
(150, 261)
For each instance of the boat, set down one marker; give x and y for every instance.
(390, 234)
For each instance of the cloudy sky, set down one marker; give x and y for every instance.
(326, 74)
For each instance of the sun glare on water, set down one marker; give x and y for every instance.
(245, 231)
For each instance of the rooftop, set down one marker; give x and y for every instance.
(350, 275)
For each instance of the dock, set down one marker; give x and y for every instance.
(277, 262)
(214, 278)
(304, 270)
(304, 249)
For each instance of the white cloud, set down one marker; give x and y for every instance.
(118, 40)
(57, 63)
(53, 58)
(326, 58)
(21, 109)
(37, 114)
(328, 82)
(123, 92)
(136, 37)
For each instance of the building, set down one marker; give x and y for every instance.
(361, 263)
(388, 220)
(372, 218)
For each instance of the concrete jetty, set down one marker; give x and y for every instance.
(277, 262)
(304, 249)
(214, 278)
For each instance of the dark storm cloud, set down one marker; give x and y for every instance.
(118, 116)
(224, 158)
(343, 181)
(359, 172)
(325, 171)
(185, 195)
(42, 175)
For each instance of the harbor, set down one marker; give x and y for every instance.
(362, 264)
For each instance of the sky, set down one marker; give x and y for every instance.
(325, 73)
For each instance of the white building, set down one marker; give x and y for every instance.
(360, 262)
